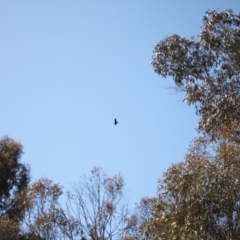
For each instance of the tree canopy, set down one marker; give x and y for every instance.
(14, 178)
(97, 203)
(200, 197)
(95, 208)
(207, 70)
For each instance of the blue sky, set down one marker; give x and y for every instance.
(68, 68)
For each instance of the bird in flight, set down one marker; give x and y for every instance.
(115, 121)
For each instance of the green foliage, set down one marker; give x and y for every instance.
(199, 198)
(94, 210)
(44, 217)
(14, 178)
(206, 69)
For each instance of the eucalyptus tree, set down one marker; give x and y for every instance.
(45, 218)
(97, 203)
(198, 198)
(14, 178)
(206, 68)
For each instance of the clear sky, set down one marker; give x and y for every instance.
(68, 68)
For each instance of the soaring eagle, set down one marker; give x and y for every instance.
(115, 121)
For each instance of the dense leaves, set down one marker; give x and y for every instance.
(207, 69)
(200, 197)
(14, 177)
(9, 229)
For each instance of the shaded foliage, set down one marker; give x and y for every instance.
(9, 229)
(14, 178)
